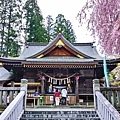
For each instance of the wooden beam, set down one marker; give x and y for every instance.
(29, 83)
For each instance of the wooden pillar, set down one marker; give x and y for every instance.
(76, 92)
(77, 89)
(43, 85)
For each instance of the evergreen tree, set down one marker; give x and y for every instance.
(2, 26)
(10, 27)
(69, 33)
(50, 28)
(34, 27)
(64, 26)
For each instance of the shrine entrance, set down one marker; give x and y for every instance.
(53, 83)
(77, 82)
(57, 79)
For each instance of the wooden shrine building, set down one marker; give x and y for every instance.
(58, 64)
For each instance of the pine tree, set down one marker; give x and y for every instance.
(2, 24)
(64, 26)
(34, 27)
(69, 33)
(10, 27)
(50, 28)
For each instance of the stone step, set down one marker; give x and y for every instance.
(60, 115)
(60, 119)
(60, 112)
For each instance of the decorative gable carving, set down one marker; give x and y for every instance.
(60, 51)
(60, 43)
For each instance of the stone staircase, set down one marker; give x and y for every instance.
(60, 114)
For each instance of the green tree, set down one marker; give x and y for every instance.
(50, 28)
(64, 26)
(10, 27)
(2, 24)
(69, 33)
(34, 27)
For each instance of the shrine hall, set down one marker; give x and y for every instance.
(58, 64)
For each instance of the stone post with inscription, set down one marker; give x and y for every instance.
(24, 88)
(1, 85)
(96, 87)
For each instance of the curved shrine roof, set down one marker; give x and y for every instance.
(58, 50)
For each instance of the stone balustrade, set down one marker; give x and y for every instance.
(104, 108)
(112, 94)
(17, 106)
(7, 94)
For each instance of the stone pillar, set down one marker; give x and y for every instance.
(4, 97)
(24, 88)
(1, 85)
(96, 87)
(11, 93)
(11, 96)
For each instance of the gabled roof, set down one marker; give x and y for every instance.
(78, 50)
(60, 42)
(58, 51)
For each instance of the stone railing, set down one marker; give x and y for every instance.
(112, 94)
(16, 108)
(104, 108)
(7, 94)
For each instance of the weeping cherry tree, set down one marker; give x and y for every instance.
(103, 20)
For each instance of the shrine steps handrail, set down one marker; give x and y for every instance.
(105, 109)
(15, 108)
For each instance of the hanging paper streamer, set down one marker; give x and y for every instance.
(64, 82)
(60, 82)
(54, 81)
(59, 78)
(67, 80)
(51, 80)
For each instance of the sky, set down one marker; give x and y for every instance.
(70, 9)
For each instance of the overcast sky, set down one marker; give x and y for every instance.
(70, 9)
